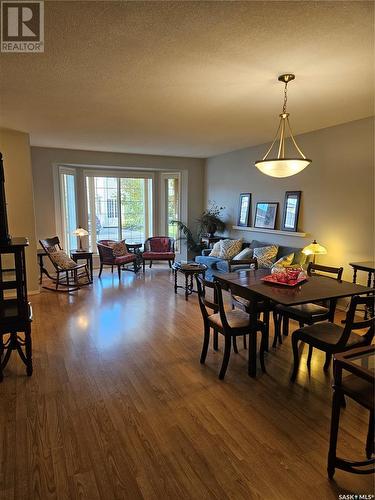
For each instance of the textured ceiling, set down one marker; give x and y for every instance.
(188, 78)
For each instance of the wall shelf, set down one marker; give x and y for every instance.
(270, 231)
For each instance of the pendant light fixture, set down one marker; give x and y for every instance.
(281, 166)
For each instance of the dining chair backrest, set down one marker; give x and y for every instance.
(207, 306)
(220, 302)
(319, 270)
(351, 324)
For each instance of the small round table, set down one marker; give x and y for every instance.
(189, 270)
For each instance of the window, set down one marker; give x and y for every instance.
(171, 204)
(111, 208)
(68, 208)
(118, 208)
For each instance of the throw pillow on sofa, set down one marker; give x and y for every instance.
(215, 252)
(266, 256)
(284, 261)
(245, 254)
(229, 248)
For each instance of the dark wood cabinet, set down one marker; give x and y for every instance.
(15, 309)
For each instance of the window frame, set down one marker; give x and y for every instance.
(122, 174)
(164, 176)
(63, 170)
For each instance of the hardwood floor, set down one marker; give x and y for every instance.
(119, 407)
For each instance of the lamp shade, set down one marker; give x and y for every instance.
(314, 249)
(80, 232)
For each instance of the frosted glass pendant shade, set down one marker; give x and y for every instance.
(282, 167)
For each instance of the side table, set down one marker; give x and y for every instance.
(77, 255)
(189, 270)
(136, 249)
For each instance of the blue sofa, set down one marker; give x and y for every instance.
(217, 265)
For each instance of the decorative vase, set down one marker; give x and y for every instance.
(211, 229)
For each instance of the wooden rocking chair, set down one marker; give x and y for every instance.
(67, 276)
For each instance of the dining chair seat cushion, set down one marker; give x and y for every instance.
(236, 319)
(303, 311)
(328, 334)
(123, 259)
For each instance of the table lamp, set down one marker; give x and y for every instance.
(79, 232)
(314, 249)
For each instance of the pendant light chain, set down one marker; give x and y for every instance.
(285, 96)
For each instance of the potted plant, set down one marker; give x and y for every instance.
(210, 221)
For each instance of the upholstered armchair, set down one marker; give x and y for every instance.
(108, 258)
(158, 248)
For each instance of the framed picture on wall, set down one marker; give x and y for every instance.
(265, 215)
(244, 210)
(291, 211)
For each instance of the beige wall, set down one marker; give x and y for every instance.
(337, 191)
(15, 148)
(43, 160)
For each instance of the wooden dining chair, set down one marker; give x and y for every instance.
(306, 314)
(357, 384)
(262, 307)
(230, 324)
(332, 338)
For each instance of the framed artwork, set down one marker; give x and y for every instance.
(265, 215)
(244, 210)
(291, 211)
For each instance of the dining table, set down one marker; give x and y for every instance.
(250, 285)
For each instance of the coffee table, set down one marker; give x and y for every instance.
(189, 270)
